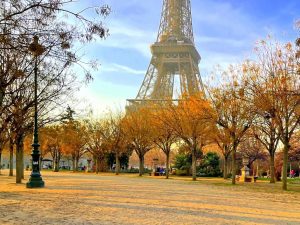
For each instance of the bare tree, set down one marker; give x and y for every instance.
(252, 149)
(19, 22)
(279, 67)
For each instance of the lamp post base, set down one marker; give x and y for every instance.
(35, 181)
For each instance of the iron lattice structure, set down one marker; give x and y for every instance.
(173, 54)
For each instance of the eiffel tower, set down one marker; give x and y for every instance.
(173, 54)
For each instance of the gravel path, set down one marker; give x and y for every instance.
(127, 199)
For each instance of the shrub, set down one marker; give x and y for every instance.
(210, 166)
(183, 162)
(182, 172)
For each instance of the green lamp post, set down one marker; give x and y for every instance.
(35, 180)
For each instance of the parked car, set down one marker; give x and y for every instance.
(45, 166)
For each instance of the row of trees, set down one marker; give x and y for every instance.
(256, 106)
(60, 39)
(99, 138)
(255, 111)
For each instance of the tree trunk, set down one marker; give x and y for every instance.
(97, 165)
(141, 169)
(56, 162)
(117, 164)
(167, 164)
(2, 93)
(101, 163)
(225, 173)
(11, 158)
(55, 168)
(74, 165)
(272, 168)
(19, 159)
(22, 164)
(284, 166)
(194, 172)
(233, 165)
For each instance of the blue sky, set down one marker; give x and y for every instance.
(225, 33)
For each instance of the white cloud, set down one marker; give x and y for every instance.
(125, 36)
(121, 68)
(101, 96)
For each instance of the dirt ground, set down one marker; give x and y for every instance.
(78, 198)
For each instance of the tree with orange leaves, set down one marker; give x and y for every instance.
(222, 139)
(265, 128)
(52, 143)
(277, 83)
(164, 135)
(96, 136)
(263, 80)
(191, 122)
(73, 143)
(139, 133)
(116, 137)
(294, 154)
(233, 113)
(43, 133)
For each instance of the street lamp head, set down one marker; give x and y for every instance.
(35, 48)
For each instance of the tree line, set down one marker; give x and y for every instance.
(255, 110)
